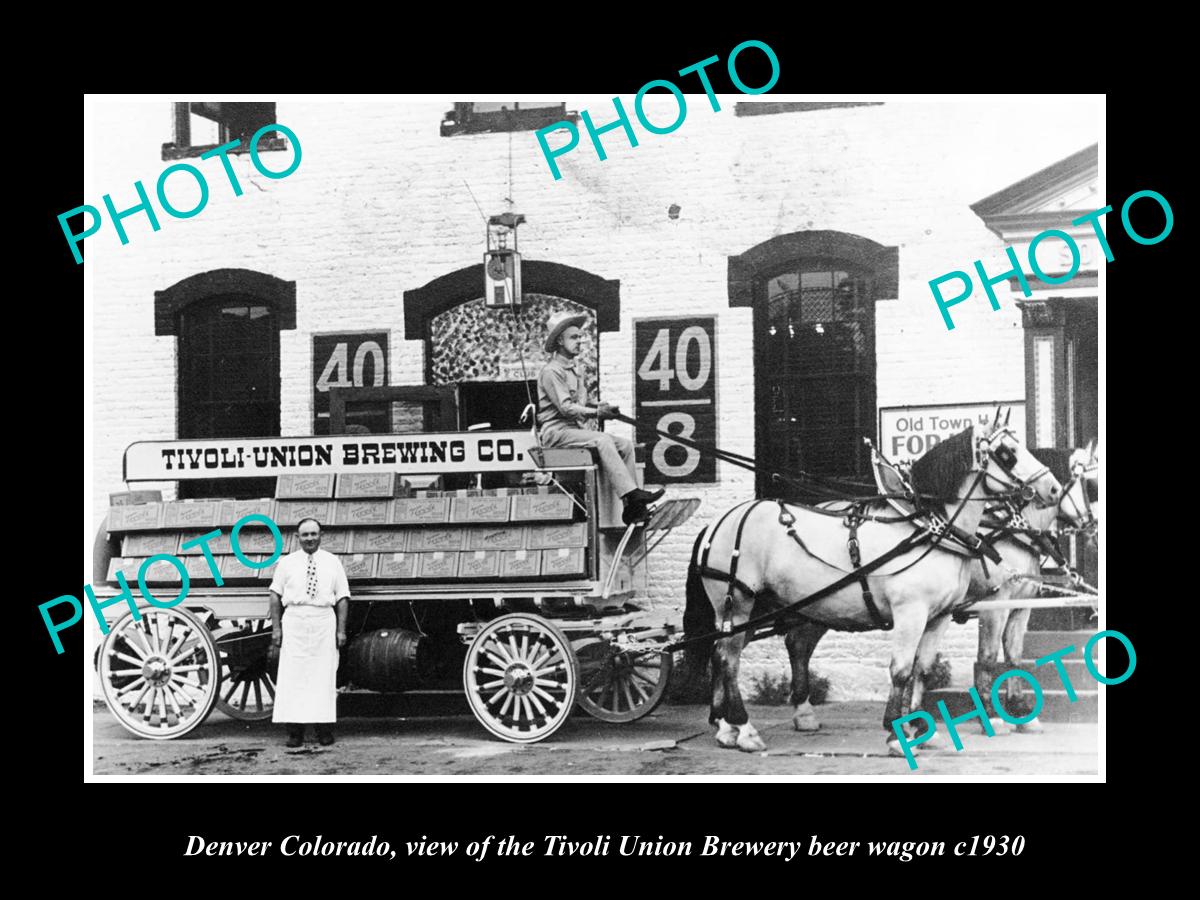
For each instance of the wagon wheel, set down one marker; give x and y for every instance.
(160, 674)
(620, 684)
(521, 677)
(247, 676)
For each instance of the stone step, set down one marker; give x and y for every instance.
(1041, 643)
(1047, 674)
(1057, 707)
(1077, 671)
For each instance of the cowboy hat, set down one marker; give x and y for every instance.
(560, 322)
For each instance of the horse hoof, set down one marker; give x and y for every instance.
(1032, 727)
(894, 749)
(806, 723)
(727, 739)
(937, 742)
(751, 744)
(999, 726)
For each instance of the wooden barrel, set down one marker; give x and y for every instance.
(390, 659)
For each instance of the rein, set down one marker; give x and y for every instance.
(834, 487)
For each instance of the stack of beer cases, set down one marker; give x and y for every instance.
(381, 530)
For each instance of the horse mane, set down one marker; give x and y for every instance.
(1057, 460)
(941, 470)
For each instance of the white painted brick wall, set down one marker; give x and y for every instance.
(378, 206)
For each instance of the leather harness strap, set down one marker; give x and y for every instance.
(1041, 542)
(703, 569)
(853, 520)
(934, 533)
(909, 543)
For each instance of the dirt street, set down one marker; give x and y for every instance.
(675, 740)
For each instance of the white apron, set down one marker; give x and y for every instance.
(306, 689)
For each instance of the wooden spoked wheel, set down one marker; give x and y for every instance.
(620, 684)
(247, 676)
(160, 673)
(521, 677)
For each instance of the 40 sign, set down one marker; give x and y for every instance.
(345, 360)
(675, 391)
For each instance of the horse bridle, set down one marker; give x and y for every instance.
(1079, 473)
(1006, 458)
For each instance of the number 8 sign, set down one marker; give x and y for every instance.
(675, 392)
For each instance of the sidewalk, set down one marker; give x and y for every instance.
(675, 740)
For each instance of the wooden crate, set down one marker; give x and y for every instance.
(553, 537)
(363, 485)
(128, 498)
(541, 507)
(199, 570)
(290, 512)
(499, 537)
(218, 546)
(520, 563)
(361, 512)
(396, 566)
(304, 486)
(437, 565)
(129, 566)
(232, 568)
(444, 539)
(420, 510)
(233, 511)
(136, 517)
(191, 514)
(148, 543)
(358, 565)
(479, 509)
(563, 561)
(479, 564)
(379, 540)
(259, 540)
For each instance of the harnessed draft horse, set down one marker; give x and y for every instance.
(1023, 538)
(783, 560)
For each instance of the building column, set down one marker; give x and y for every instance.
(1045, 373)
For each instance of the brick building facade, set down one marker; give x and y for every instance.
(695, 223)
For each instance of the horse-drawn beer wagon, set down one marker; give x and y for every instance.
(475, 558)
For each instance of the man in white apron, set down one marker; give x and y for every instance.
(307, 633)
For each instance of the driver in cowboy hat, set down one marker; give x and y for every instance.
(563, 407)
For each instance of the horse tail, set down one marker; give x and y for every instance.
(699, 618)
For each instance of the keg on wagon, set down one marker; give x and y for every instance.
(389, 659)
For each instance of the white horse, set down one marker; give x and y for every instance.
(1075, 509)
(778, 554)
(1022, 552)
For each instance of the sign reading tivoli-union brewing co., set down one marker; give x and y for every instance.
(404, 453)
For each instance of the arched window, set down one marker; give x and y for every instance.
(228, 382)
(818, 367)
(227, 322)
(228, 369)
